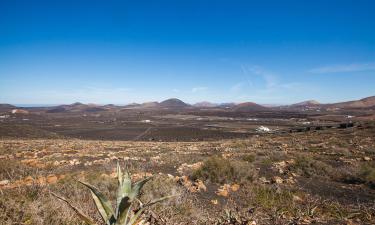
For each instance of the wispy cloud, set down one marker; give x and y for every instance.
(237, 87)
(198, 89)
(268, 86)
(354, 67)
(269, 77)
(245, 72)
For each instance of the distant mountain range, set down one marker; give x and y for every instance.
(362, 103)
(7, 106)
(177, 104)
(307, 103)
(248, 107)
(205, 104)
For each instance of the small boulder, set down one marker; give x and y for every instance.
(277, 180)
(51, 179)
(4, 182)
(366, 158)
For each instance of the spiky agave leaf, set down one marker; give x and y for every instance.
(126, 185)
(119, 174)
(79, 213)
(123, 210)
(123, 190)
(137, 187)
(103, 205)
(135, 219)
(153, 202)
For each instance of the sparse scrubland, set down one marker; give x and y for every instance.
(321, 177)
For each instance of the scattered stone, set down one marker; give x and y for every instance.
(200, 185)
(296, 198)
(51, 179)
(290, 180)
(28, 181)
(42, 180)
(235, 187)
(223, 190)
(366, 158)
(264, 180)
(4, 182)
(185, 168)
(214, 201)
(277, 180)
(196, 186)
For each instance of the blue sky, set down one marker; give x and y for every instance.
(54, 52)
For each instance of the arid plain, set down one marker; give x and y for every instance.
(306, 163)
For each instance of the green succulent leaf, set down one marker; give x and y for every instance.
(123, 190)
(153, 202)
(126, 185)
(102, 203)
(138, 187)
(119, 174)
(123, 210)
(135, 219)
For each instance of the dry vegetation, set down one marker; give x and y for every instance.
(321, 177)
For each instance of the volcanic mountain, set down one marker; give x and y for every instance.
(362, 103)
(7, 106)
(149, 104)
(76, 107)
(307, 103)
(173, 103)
(205, 104)
(227, 105)
(249, 107)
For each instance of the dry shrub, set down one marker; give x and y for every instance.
(178, 210)
(367, 174)
(14, 170)
(249, 157)
(220, 170)
(309, 167)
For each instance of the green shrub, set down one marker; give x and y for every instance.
(269, 198)
(309, 167)
(249, 158)
(220, 170)
(367, 174)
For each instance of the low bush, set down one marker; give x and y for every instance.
(249, 157)
(309, 167)
(220, 170)
(367, 174)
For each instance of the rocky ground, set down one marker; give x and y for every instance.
(314, 177)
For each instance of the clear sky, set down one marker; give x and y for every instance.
(197, 50)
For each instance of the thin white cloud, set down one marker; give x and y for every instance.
(269, 77)
(237, 87)
(198, 89)
(354, 67)
(269, 86)
(246, 74)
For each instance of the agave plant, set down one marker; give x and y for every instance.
(127, 198)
